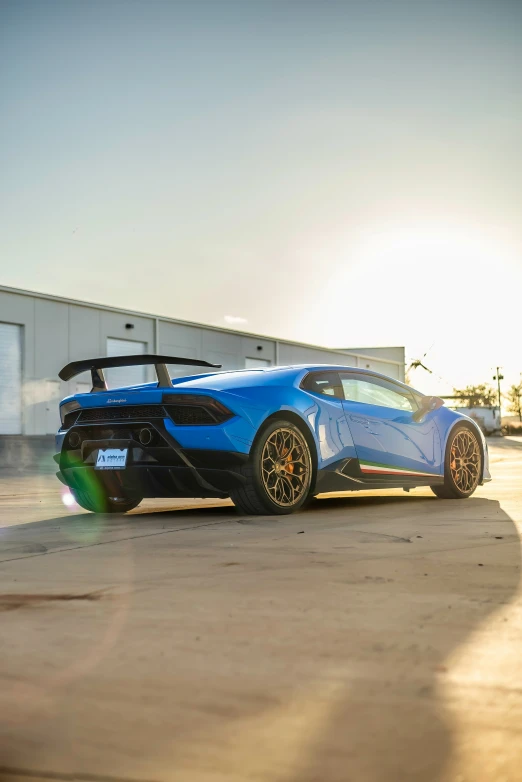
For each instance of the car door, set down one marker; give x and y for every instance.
(327, 417)
(390, 444)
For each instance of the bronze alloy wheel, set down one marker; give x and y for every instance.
(286, 467)
(465, 461)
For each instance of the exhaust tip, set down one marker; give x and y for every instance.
(145, 436)
(75, 440)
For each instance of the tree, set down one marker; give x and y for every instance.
(514, 396)
(477, 396)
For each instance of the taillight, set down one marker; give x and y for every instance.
(194, 410)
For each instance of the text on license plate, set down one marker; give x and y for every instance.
(111, 459)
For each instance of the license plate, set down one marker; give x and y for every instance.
(111, 459)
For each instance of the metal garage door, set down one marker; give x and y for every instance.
(125, 376)
(256, 363)
(10, 379)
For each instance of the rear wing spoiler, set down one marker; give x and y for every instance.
(97, 365)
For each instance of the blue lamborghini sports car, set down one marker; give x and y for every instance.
(268, 438)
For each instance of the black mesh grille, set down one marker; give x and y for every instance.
(128, 413)
(184, 414)
(180, 414)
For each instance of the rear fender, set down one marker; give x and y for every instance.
(322, 417)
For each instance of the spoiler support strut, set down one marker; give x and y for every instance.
(97, 365)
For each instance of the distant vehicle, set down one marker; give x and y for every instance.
(269, 438)
(488, 418)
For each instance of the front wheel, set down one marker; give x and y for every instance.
(462, 465)
(100, 503)
(278, 474)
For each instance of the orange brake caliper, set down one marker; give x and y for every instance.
(453, 461)
(289, 467)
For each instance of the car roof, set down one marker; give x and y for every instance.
(234, 378)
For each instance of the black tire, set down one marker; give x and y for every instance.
(456, 487)
(259, 495)
(103, 504)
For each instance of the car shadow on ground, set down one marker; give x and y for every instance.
(83, 528)
(322, 503)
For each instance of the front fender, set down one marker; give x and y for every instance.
(452, 420)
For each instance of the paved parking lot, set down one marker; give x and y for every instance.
(369, 638)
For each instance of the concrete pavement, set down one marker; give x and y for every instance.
(368, 639)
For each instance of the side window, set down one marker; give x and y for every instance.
(374, 391)
(327, 383)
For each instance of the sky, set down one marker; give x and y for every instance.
(340, 173)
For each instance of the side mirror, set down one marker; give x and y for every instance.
(427, 405)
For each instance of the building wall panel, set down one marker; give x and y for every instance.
(51, 337)
(178, 340)
(175, 337)
(19, 310)
(51, 344)
(301, 354)
(84, 332)
(222, 348)
(112, 324)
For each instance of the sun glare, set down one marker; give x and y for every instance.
(427, 283)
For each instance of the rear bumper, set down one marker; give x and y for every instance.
(154, 481)
(162, 468)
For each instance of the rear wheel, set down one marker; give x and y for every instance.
(278, 473)
(462, 465)
(103, 504)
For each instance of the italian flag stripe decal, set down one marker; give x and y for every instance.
(374, 468)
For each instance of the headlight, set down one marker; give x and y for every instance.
(68, 407)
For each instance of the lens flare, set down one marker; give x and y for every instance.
(68, 499)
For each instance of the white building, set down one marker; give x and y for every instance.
(39, 334)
